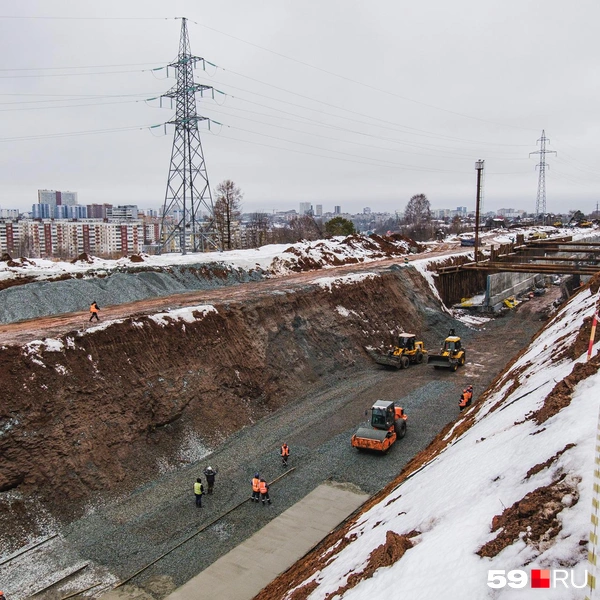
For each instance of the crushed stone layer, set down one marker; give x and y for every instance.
(244, 571)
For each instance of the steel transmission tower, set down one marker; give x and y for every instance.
(188, 191)
(540, 205)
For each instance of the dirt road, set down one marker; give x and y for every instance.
(57, 325)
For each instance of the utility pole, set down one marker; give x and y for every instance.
(188, 190)
(540, 205)
(479, 168)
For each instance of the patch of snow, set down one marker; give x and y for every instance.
(329, 282)
(182, 314)
(345, 312)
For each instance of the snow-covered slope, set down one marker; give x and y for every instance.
(273, 259)
(508, 487)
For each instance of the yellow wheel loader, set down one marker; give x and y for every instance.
(386, 425)
(407, 351)
(452, 354)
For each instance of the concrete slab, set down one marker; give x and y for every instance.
(247, 569)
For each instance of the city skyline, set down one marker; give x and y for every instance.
(338, 105)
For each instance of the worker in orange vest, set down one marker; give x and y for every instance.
(264, 491)
(256, 488)
(465, 398)
(285, 452)
(94, 310)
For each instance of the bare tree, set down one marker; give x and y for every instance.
(257, 230)
(305, 228)
(227, 210)
(417, 216)
(26, 246)
(418, 210)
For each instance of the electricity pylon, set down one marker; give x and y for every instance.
(188, 192)
(540, 204)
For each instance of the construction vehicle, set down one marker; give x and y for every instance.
(538, 235)
(452, 354)
(407, 351)
(386, 425)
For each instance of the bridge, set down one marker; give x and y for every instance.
(555, 256)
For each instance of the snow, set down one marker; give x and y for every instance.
(275, 259)
(330, 282)
(454, 498)
(182, 314)
(345, 312)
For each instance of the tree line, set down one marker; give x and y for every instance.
(258, 231)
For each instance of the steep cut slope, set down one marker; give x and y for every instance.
(86, 410)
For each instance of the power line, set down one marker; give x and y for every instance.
(386, 124)
(82, 67)
(90, 18)
(366, 85)
(76, 133)
(69, 105)
(540, 205)
(188, 190)
(70, 98)
(75, 74)
(451, 155)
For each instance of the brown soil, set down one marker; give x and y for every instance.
(541, 466)
(560, 396)
(390, 552)
(581, 343)
(532, 519)
(245, 360)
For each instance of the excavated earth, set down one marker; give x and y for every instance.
(102, 432)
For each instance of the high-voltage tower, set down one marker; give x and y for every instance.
(540, 205)
(188, 192)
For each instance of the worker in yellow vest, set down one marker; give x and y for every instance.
(198, 491)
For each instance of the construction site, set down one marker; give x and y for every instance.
(105, 427)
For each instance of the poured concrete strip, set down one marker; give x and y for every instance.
(248, 568)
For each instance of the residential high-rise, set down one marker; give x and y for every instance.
(98, 211)
(128, 211)
(41, 211)
(56, 198)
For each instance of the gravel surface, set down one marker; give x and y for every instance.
(126, 535)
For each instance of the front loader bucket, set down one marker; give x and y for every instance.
(389, 360)
(439, 360)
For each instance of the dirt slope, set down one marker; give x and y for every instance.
(85, 414)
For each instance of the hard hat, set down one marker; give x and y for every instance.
(209, 468)
(256, 475)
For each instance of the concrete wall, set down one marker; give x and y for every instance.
(503, 285)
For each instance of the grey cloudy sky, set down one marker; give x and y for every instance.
(333, 102)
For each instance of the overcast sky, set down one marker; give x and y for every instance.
(333, 102)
